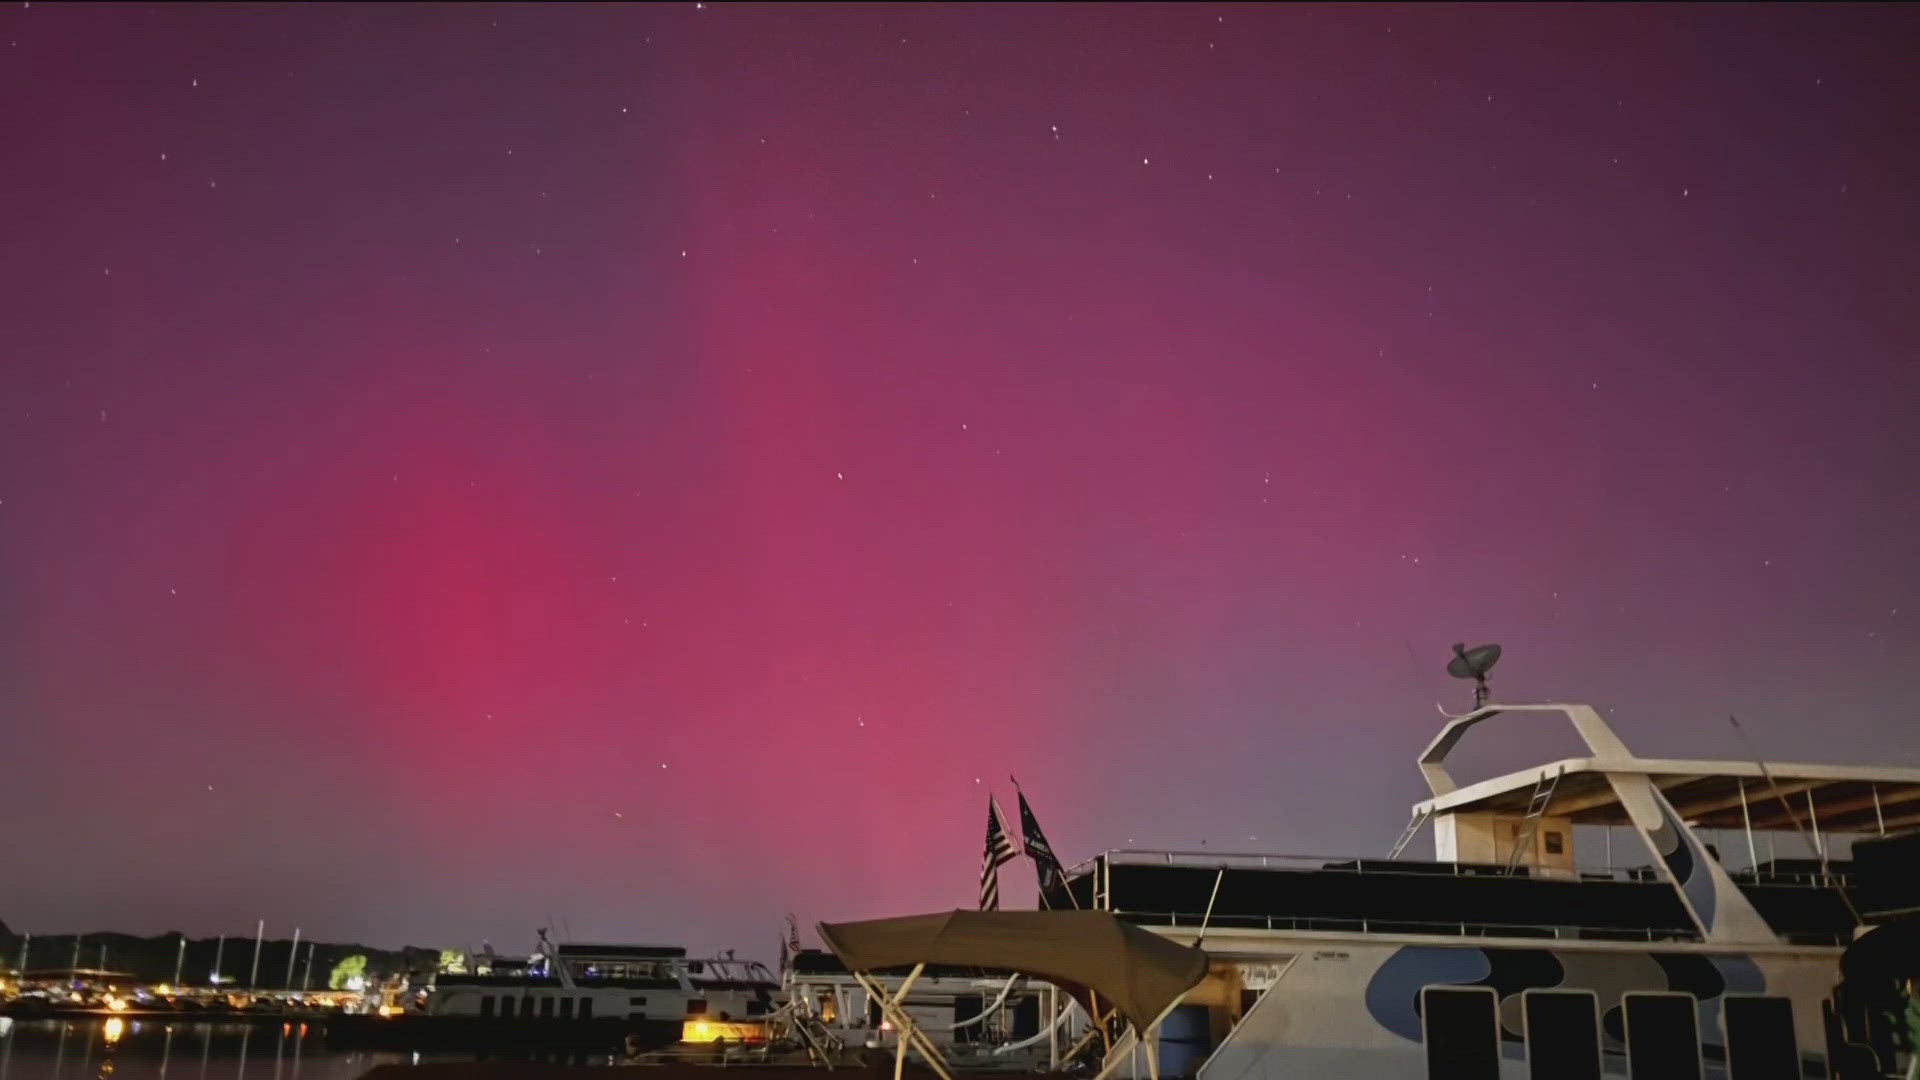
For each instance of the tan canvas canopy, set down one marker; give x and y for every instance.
(1139, 972)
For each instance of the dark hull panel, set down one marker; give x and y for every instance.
(420, 1032)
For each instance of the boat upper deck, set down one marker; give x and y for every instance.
(1276, 892)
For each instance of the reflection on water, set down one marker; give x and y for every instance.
(121, 1049)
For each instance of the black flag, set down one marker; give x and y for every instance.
(1046, 867)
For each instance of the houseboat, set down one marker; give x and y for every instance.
(1532, 943)
(648, 985)
(575, 997)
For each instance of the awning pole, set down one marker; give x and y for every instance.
(1819, 846)
(1053, 1028)
(1208, 917)
(1746, 819)
(1099, 1024)
(1877, 816)
(891, 1007)
(1152, 1039)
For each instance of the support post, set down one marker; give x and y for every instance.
(894, 1008)
(1879, 818)
(1153, 1037)
(1819, 845)
(1053, 1028)
(1746, 819)
(1211, 897)
(219, 952)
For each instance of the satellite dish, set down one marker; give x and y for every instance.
(1474, 664)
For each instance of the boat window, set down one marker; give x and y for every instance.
(1563, 1034)
(586, 1008)
(566, 1008)
(1760, 1042)
(546, 1008)
(1663, 1037)
(637, 1002)
(1554, 844)
(696, 1006)
(759, 1008)
(1461, 1028)
(486, 1004)
(526, 1006)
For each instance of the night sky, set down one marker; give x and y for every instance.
(654, 469)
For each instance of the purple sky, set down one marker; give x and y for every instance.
(658, 468)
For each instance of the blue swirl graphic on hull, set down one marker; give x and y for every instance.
(1393, 994)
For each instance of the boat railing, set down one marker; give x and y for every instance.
(1406, 926)
(1215, 860)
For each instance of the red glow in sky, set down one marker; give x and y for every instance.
(658, 468)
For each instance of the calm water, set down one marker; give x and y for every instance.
(151, 1050)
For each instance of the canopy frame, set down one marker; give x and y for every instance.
(1084, 951)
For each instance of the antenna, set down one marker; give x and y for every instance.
(1474, 664)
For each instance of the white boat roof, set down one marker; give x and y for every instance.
(1707, 794)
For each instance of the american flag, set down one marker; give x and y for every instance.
(999, 850)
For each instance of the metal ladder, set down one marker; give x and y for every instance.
(1420, 817)
(1543, 789)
